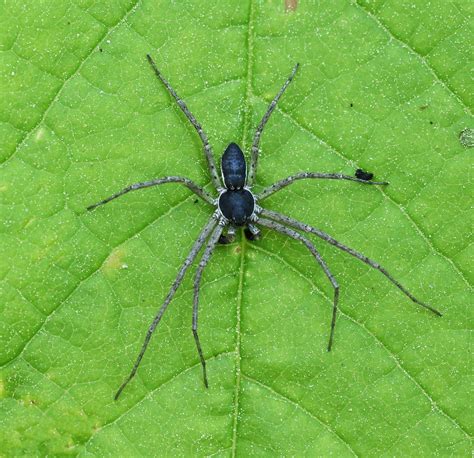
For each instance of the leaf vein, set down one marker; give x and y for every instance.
(423, 60)
(50, 104)
(152, 392)
(387, 197)
(300, 407)
(390, 353)
(87, 277)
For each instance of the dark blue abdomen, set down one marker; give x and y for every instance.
(233, 167)
(237, 206)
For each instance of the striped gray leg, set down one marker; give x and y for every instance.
(306, 228)
(147, 184)
(295, 235)
(179, 278)
(184, 108)
(258, 132)
(302, 175)
(211, 244)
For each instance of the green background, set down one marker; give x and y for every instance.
(383, 85)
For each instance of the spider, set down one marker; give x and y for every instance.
(237, 206)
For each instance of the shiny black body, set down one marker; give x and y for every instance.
(233, 167)
(236, 203)
(363, 175)
(237, 206)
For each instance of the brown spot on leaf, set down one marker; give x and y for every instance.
(291, 5)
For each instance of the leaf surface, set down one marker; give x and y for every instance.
(383, 86)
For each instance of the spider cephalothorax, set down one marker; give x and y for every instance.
(235, 206)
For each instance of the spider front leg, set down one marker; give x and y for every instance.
(202, 135)
(258, 132)
(307, 228)
(297, 236)
(213, 240)
(179, 278)
(304, 175)
(147, 184)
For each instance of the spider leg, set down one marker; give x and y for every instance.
(229, 237)
(307, 228)
(211, 244)
(184, 108)
(258, 132)
(147, 184)
(302, 175)
(179, 278)
(295, 235)
(252, 232)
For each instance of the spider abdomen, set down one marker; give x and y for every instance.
(237, 206)
(233, 167)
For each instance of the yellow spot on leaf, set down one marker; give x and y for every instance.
(30, 222)
(115, 261)
(40, 134)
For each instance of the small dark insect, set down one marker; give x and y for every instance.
(237, 206)
(363, 175)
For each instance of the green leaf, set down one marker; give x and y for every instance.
(383, 85)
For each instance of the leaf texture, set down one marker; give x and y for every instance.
(383, 86)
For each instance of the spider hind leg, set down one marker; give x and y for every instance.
(252, 232)
(211, 244)
(286, 220)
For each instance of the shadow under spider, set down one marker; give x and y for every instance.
(236, 206)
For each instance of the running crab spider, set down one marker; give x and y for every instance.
(237, 206)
